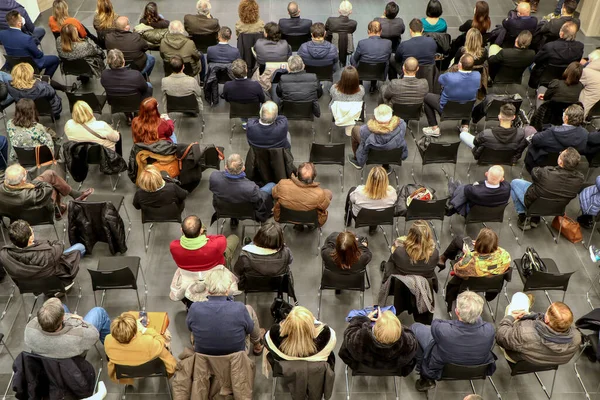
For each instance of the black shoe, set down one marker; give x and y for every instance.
(233, 223)
(354, 162)
(388, 168)
(441, 266)
(535, 221)
(423, 385)
(372, 88)
(586, 221)
(74, 87)
(83, 78)
(521, 223)
(382, 266)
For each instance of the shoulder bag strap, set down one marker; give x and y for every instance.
(185, 153)
(90, 130)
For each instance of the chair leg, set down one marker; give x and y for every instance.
(347, 385)
(246, 298)
(362, 299)
(320, 295)
(473, 387)
(495, 388)
(138, 300)
(342, 179)
(79, 295)
(274, 387)
(555, 238)
(548, 296)
(387, 242)
(577, 374)
(129, 222)
(10, 297)
(145, 289)
(587, 294)
(35, 299)
(147, 243)
(395, 387)
(169, 388)
(544, 386)
(588, 245)
(9, 385)
(231, 133)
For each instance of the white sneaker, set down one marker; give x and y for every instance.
(429, 131)
(464, 129)
(68, 287)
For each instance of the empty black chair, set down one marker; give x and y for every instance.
(455, 372)
(593, 114)
(332, 154)
(203, 42)
(44, 109)
(523, 367)
(187, 69)
(242, 110)
(438, 153)
(428, 211)
(118, 272)
(124, 104)
(266, 284)
(299, 111)
(552, 279)
(95, 101)
(295, 41)
(454, 110)
(12, 61)
(380, 217)
(152, 215)
(372, 72)
(343, 280)
(384, 157)
(324, 74)
(409, 112)
(78, 67)
(542, 207)
(593, 162)
(363, 370)
(239, 211)
(152, 369)
(481, 215)
(294, 217)
(26, 155)
(49, 285)
(185, 104)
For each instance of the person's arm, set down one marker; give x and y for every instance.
(552, 90)
(497, 58)
(279, 90)
(159, 350)
(180, 193)
(544, 27)
(507, 336)
(136, 199)
(89, 335)
(537, 174)
(111, 134)
(248, 321)
(240, 266)
(542, 56)
(32, 49)
(356, 56)
(80, 29)
(539, 138)
(399, 53)
(261, 93)
(29, 25)
(466, 26)
(464, 267)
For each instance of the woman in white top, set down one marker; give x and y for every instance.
(83, 117)
(376, 193)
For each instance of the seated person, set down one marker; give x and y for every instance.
(299, 85)
(27, 258)
(294, 25)
(467, 340)
(301, 337)
(202, 23)
(540, 339)
(413, 254)
(433, 21)
(271, 48)
(423, 48)
(118, 80)
(519, 56)
(130, 343)
(70, 46)
(177, 43)
(518, 20)
(24, 85)
(502, 137)
(484, 258)
(220, 325)
(83, 123)
(562, 182)
(28, 26)
(392, 26)
(461, 86)
(270, 130)
(347, 99)
(132, 45)
(385, 345)
(557, 138)
(178, 84)
(564, 12)
(249, 21)
(494, 191)
(19, 44)
(375, 194)
(154, 192)
(318, 52)
(241, 89)
(232, 186)
(343, 251)
(266, 255)
(302, 193)
(407, 90)
(372, 50)
(150, 125)
(341, 23)
(56, 333)
(565, 90)
(151, 17)
(383, 132)
(25, 130)
(45, 191)
(589, 201)
(222, 52)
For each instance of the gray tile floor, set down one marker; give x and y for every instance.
(159, 266)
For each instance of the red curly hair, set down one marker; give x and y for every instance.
(248, 11)
(145, 126)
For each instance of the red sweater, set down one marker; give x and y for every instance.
(165, 129)
(202, 259)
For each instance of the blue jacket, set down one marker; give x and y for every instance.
(589, 199)
(38, 90)
(455, 342)
(423, 48)
(375, 135)
(272, 136)
(243, 91)
(319, 54)
(19, 44)
(222, 53)
(555, 140)
(459, 86)
(373, 49)
(9, 5)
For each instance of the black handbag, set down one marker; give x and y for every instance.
(280, 308)
(531, 261)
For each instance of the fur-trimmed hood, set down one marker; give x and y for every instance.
(377, 127)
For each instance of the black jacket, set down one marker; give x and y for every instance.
(123, 82)
(400, 263)
(516, 25)
(76, 160)
(361, 348)
(341, 24)
(499, 138)
(38, 90)
(131, 44)
(553, 183)
(171, 193)
(559, 91)
(243, 91)
(558, 53)
(245, 42)
(91, 222)
(301, 86)
(211, 81)
(510, 57)
(392, 29)
(555, 140)
(480, 195)
(329, 248)
(269, 165)
(295, 26)
(404, 300)
(39, 377)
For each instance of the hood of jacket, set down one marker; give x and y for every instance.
(570, 137)
(163, 147)
(377, 127)
(556, 342)
(318, 51)
(175, 40)
(505, 136)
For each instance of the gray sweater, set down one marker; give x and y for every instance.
(75, 338)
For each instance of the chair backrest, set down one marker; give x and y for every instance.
(14, 60)
(203, 42)
(524, 367)
(408, 112)
(298, 110)
(151, 369)
(551, 160)
(50, 284)
(455, 110)
(239, 211)
(324, 73)
(371, 71)
(223, 76)
(428, 73)
(496, 157)
(479, 214)
(547, 281)
(44, 107)
(244, 110)
(182, 104)
(26, 155)
(343, 280)
(124, 104)
(551, 72)
(287, 216)
(393, 156)
(332, 153)
(90, 98)
(509, 75)
(492, 284)
(594, 112)
(454, 372)
(494, 108)
(379, 216)
(169, 213)
(76, 67)
(266, 284)
(187, 69)
(94, 154)
(439, 153)
(122, 278)
(547, 207)
(427, 210)
(363, 370)
(555, 112)
(295, 41)
(593, 160)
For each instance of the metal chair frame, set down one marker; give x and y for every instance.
(528, 286)
(111, 271)
(453, 368)
(332, 149)
(160, 374)
(349, 386)
(514, 372)
(186, 104)
(286, 218)
(360, 220)
(242, 110)
(364, 275)
(532, 211)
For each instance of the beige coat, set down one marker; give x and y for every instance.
(296, 195)
(590, 79)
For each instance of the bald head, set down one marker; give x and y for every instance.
(568, 31)
(122, 23)
(268, 112)
(524, 9)
(466, 62)
(293, 9)
(235, 164)
(307, 173)
(495, 175)
(374, 28)
(14, 175)
(411, 66)
(191, 227)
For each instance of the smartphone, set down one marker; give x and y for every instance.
(144, 318)
(376, 307)
(469, 243)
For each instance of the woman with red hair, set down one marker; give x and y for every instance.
(150, 126)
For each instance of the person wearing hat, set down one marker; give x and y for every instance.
(384, 132)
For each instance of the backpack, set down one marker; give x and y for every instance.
(531, 261)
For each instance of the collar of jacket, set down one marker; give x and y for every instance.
(299, 183)
(378, 127)
(20, 186)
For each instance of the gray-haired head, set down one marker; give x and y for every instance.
(176, 27)
(295, 64)
(269, 112)
(218, 281)
(115, 59)
(469, 306)
(345, 8)
(235, 164)
(50, 315)
(203, 7)
(14, 175)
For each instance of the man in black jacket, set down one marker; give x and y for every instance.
(494, 191)
(232, 186)
(300, 86)
(132, 45)
(118, 80)
(392, 28)
(201, 23)
(556, 183)
(294, 25)
(548, 31)
(341, 24)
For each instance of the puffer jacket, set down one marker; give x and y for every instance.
(75, 154)
(553, 183)
(301, 86)
(202, 377)
(589, 199)
(34, 197)
(318, 54)
(38, 90)
(177, 44)
(211, 81)
(532, 340)
(154, 37)
(555, 140)
(296, 195)
(378, 136)
(91, 222)
(361, 348)
(269, 165)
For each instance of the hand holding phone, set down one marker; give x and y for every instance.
(468, 245)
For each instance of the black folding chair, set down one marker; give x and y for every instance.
(493, 157)
(26, 155)
(49, 285)
(241, 110)
(409, 112)
(455, 372)
(12, 61)
(324, 74)
(186, 105)
(295, 41)
(44, 109)
(391, 157)
(203, 42)
(437, 153)
(38, 216)
(363, 370)
(428, 72)
(380, 217)
(372, 71)
(239, 211)
(542, 207)
(593, 162)
(523, 367)
(278, 370)
(295, 217)
(329, 154)
(266, 284)
(123, 104)
(153, 215)
(455, 111)
(343, 280)
(152, 369)
(507, 75)
(299, 111)
(118, 272)
(78, 67)
(94, 157)
(427, 211)
(552, 279)
(593, 114)
(95, 101)
(488, 284)
(482, 215)
(491, 114)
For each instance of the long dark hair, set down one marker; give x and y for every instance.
(26, 114)
(349, 82)
(151, 13)
(481, 19)
(572, 73)
(346, 251)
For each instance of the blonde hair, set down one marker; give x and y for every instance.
(387, 328)
(82, 112)
(298, 331)
(419, 243)
(60, 11)
(106, 14)
(218, 281)
(377, 184)
(474, 43)
(22, 76)
(123, 328)
(150, 179)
